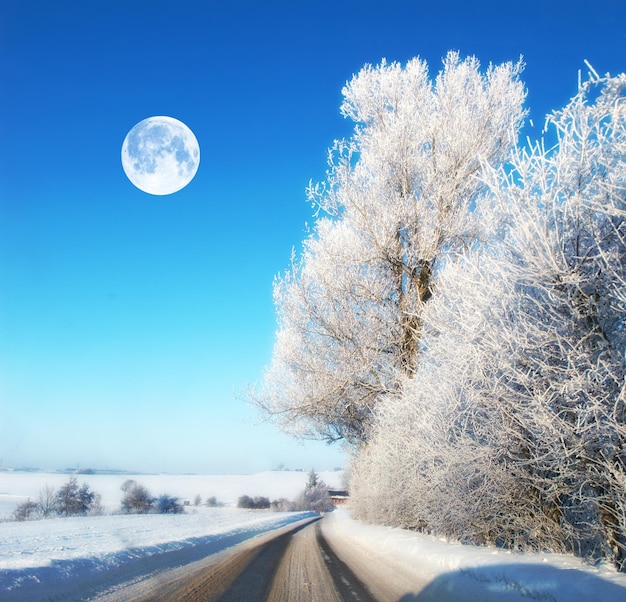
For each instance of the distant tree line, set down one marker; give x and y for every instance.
(138, 500)
(256, 503)
(70, 500)
(313, 498)
(73, 499)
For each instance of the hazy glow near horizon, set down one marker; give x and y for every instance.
(131, 326)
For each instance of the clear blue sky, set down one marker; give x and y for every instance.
(129, 322)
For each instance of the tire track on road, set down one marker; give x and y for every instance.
(350, 587)
(244, 573)
(295, 564)
(302, 574)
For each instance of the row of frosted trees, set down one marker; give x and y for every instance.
(457, 315)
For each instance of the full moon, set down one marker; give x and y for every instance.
(160, 155)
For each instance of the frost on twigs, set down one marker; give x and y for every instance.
(402, 197)
(513, 430)
(458, 313)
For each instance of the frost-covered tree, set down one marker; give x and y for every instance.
(137, 499)
(72, 499)
(26, 510)
(564, 385)
(313, 480)
(46, 501)
(315, 495)
(436, 458)
(402, 197)
(167, 504)
(513, 430)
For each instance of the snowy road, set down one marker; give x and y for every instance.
(293, 563)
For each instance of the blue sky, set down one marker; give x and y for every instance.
(128, 322)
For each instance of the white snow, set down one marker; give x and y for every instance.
(464, 572)
(42, 559)
(60, 558)
(64, 556)
(32, 544)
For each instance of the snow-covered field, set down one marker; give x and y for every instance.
(43, 559)
(40, 558)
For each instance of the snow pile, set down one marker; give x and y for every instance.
(43, 556)
(463, 572)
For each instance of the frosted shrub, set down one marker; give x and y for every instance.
(566, 254)
(27, 510)
(137, 499)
